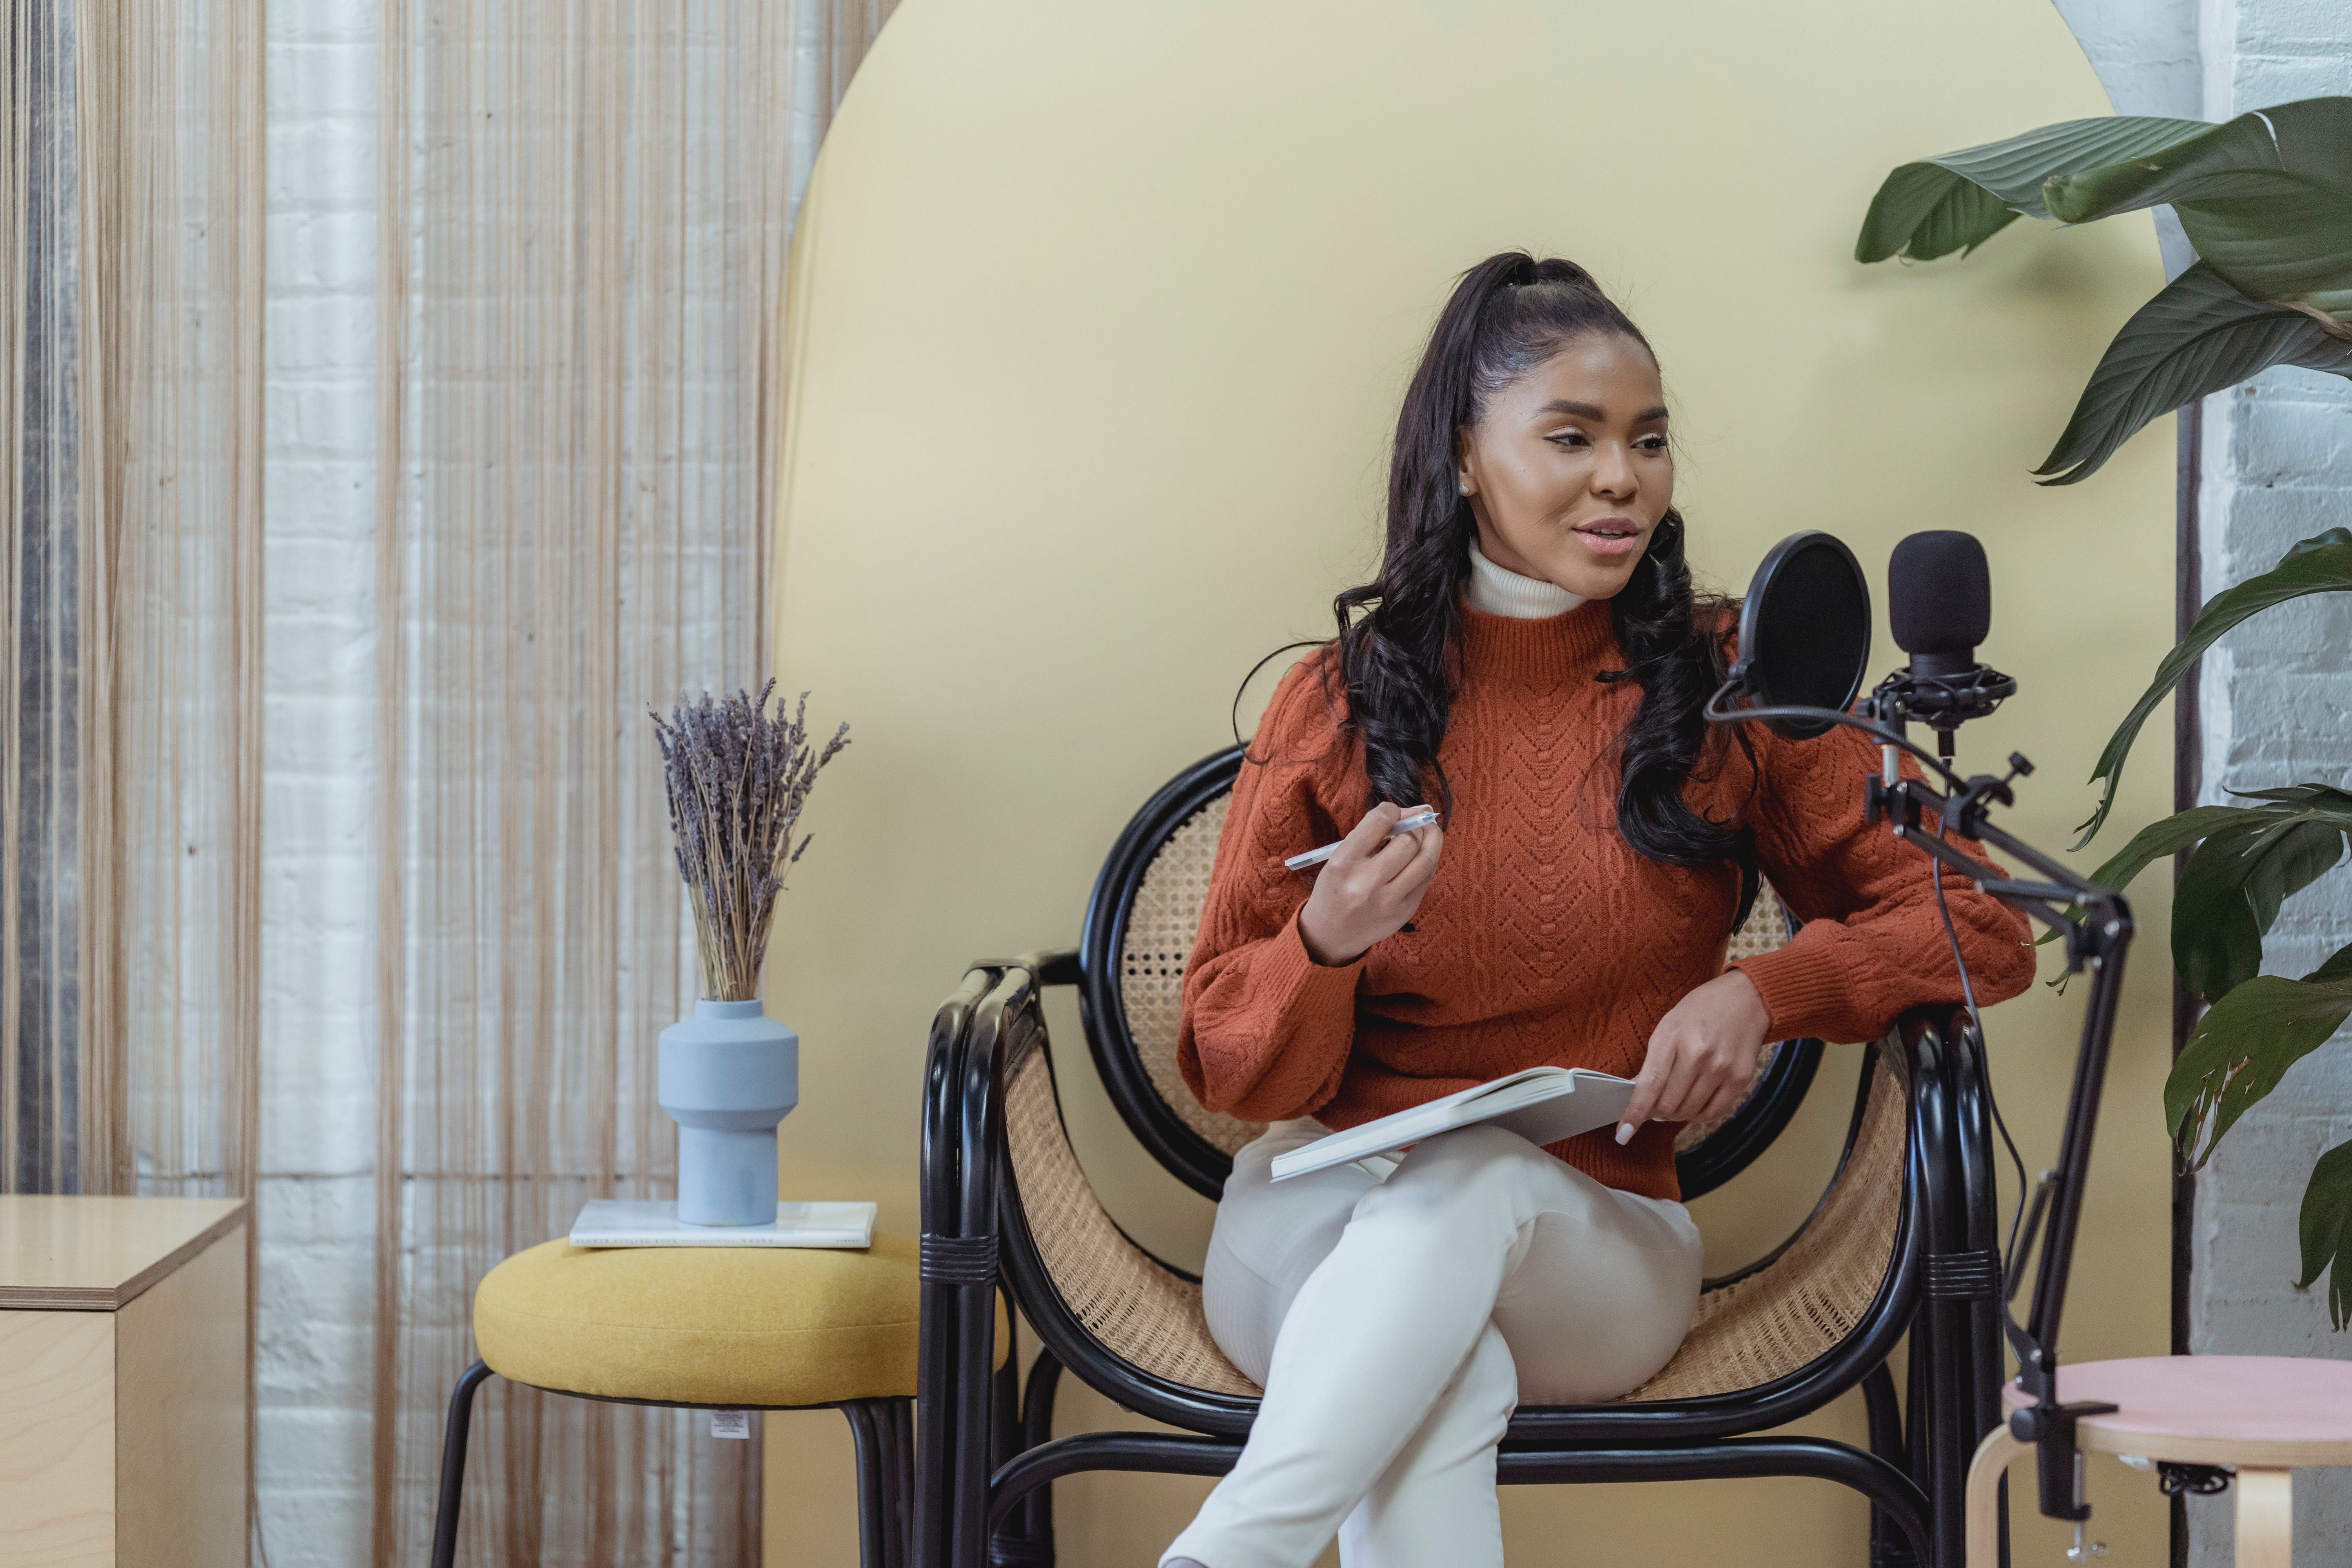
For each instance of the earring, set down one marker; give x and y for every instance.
(1463, 484)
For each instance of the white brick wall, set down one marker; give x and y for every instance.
(2276, 464)
(318, 1071)
(2277, 467)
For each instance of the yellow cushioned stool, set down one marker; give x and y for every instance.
(726, 1327)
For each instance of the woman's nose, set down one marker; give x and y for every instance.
(1612, 473)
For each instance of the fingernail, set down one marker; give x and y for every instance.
(1625, 1132)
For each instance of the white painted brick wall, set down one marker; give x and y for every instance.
(2276, 702)
(318, 1211)
(2277, 466)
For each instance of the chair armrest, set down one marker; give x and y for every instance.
(1051, 966)
(963, 1129)
(1054, 966)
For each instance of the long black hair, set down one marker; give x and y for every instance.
(1400, 633)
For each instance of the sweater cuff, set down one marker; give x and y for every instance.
(1804, 990)
(1306, 986)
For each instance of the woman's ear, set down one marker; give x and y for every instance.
(1465, 474)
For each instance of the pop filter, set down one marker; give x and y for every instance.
(1804, 631)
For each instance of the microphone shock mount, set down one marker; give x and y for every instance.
(1942, 702)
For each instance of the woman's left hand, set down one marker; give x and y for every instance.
(1702, 1056)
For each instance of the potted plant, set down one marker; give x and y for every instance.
(738, 777)
(2266, 201)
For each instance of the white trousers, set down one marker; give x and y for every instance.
(1397, 1312)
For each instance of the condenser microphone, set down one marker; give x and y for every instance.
(1940, 600)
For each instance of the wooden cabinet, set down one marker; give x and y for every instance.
(123, 1406)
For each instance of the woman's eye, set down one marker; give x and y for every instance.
(1571, 439)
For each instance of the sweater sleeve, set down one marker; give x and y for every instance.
(1873, 944)
(1266, 1030)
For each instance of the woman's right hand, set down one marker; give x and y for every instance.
(1371, 886)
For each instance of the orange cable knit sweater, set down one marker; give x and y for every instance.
(1543, 936)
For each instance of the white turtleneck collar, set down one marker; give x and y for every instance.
(1498, 592)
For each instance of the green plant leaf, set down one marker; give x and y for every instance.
(2337, 967)
(2231, 890)
(2326, 1231)
(2266, 199)
(2245, 829)
(1956, 201)
(2170, 836)
(2197, 335)
(2318, 565)
(2244, 1047)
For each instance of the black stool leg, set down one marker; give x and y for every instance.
(869, 1422)
(453, 1464)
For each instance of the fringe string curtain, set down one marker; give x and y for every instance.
(40, 526)
(586, 205)
(132, 211)
(131, 207)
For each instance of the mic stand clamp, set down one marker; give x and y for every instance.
(2058, 1458)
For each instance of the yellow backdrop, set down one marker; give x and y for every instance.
(1101, 316)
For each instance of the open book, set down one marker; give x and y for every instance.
(1542, 1105)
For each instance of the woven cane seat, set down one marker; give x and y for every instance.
(1165, 919)
(1754, 1328)
(1135, 1306)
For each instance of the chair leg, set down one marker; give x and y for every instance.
(1004, 1403)
(1986, 1536)
(1036, 1431)
(1888, 1549)
(899, 1428)
(2265, 1517)
(453, 1464)
(1032, 1544)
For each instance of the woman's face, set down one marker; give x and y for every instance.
(1568, 471)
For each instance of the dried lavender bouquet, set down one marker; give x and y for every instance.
(738, 777)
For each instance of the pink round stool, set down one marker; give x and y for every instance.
(2263, 1415)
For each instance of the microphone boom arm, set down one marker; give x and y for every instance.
(2096, 925)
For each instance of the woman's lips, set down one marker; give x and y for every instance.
(1609, 535)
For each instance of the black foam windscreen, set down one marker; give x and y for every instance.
(1940, 593)
(1804, 631)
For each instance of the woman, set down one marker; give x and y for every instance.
(1531, 657)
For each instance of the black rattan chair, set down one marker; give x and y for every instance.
(1902, 1238)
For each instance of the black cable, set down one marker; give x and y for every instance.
(1714, 714)
(1261, 664)
(1984, 1057)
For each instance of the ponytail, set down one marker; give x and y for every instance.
(1400, 633)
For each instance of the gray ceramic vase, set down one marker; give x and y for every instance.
(727, 1076)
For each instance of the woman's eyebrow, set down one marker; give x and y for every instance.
(1594, 411)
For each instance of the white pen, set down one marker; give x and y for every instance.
(1419, 816)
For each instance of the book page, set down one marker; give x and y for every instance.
(1529, 1103)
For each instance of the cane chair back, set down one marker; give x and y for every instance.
(1161, 922)
(1139, 930)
